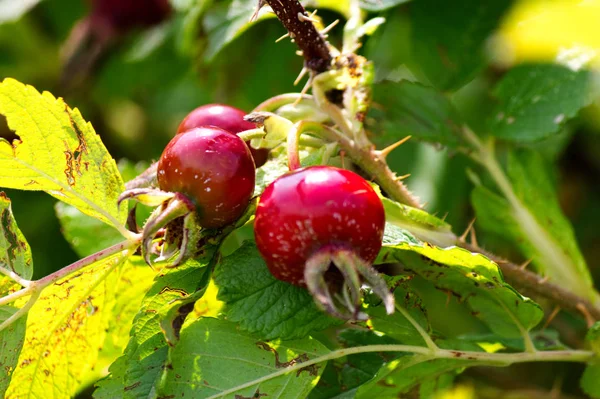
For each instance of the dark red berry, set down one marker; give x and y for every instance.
(225, 117)
(214, 169)
(310, 209)
(124, 15)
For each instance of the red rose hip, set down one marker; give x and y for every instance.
(225, 117)
(314, 217)
(214, 169)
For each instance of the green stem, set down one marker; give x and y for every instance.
(428, 341)
(248, 135)
(14, 276)
(273, 103)
(492, 359)
(35, 288)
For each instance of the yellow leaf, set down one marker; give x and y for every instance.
(58, 152)
(563, 31)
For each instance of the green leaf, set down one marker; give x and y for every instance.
(535, 222)
(15, 254)
(58, 153)
(270, 171)
(133, 281)
(448, 44)
(86, 234)
(211, 351)
(11, 342)
(536, 100)
(420, 223)
(225, 21)
(137, 372)
(65, 330)
(399, 376)
(262, 304)
(396, 325)
(472, 277)
(407, 108)
(590, 381)
(343, 377)
(380, 5)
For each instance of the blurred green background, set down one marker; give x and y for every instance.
(139, 92)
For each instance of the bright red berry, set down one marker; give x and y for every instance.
(225, 117)
(214, 169)
(314, 208)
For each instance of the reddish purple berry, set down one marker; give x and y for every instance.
(225, 117)
(214, 168)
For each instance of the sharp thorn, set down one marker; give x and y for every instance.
(387, 150)
(259, 6)
(464, 235)
(525, 264)
(303, 92)
(474, 239)
(544, 280)
(400, 178)
(305, 18)
(325, 30)
(445, 216)
(551, 317)
(302, 73)
(586, 313)
(282, 37)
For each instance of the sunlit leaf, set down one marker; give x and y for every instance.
(472, 277)
(58, 153)
(65, 331)
(564, 31)
(211, 352)
(136, 373)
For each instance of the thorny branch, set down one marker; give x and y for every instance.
(316, 53)
(315, 49)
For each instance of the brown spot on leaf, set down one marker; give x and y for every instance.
(312, 370)
(256, 395)
(169, 289)
(132, 386)
(11, 238)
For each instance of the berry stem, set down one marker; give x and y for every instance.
(292, 148)
(352, 268)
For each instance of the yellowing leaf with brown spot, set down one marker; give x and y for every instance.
(564, 31)
(58, 152)
(66, 330)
